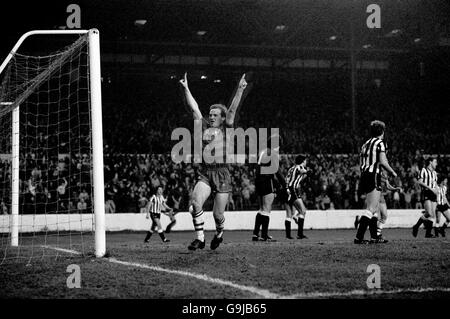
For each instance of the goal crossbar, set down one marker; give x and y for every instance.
(97, 138)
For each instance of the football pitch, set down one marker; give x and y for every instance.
(326, 265)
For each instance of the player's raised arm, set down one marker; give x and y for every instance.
(231, 113)
(190, 99)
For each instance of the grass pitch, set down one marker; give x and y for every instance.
(327, 265)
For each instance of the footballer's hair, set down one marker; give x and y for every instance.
(377, 128)
(300, 158)
(428, 160)
(221, 107)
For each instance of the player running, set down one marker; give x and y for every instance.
(296, 175)
(213, 178)
(428, 181)
(372, 158)
(156, 205)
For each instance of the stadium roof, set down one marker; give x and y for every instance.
(244, 23)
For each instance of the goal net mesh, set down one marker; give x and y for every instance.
(52, 93)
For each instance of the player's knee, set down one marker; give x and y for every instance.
(196, 206)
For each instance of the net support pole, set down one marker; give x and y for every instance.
(97, 141)
(15, 177)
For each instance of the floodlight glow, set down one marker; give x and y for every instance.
(140, 22)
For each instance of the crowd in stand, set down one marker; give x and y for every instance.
(318, 124)
(130, 180)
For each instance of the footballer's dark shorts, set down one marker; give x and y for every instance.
(369, 181)
(282, 195)
(216, 176)
(154, 216)
(293, 195)
(264, 185)
(442, 208)
(429, 195)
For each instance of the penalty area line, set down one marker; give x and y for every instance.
(263, 292)
(257, 291)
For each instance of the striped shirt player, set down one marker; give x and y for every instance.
(428, 176)
(428, 180)
(370, 164)
(372, 158)
(442, 201)
(442, 208)
(296, 175)
(156, 205)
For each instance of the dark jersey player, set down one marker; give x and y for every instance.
(214, 177)
(266, 186)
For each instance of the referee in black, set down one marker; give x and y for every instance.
(372, 157)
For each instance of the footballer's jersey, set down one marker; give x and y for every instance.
(156, 204)
(442, 195)
(214, 140)
(428, 177)
(370, 155)
(295, 176)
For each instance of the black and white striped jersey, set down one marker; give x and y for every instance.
(156, 204)
(428, 177)
(370, 155)
(296, 174)
(442, 195)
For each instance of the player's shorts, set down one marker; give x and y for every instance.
(442, 208)
(293, 195)
(369, 181)
(282, 195)
(216, 176)
(429, 195)
(155, 216)
(264, 185)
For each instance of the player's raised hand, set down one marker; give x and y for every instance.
(242, 82)
(184, 81)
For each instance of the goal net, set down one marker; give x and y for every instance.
(50, 204)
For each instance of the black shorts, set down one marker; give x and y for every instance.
(264, 185)
(368, 182)
(442, 208)
(429, 195)
(293, 195)
(154, 216)
(282, 196)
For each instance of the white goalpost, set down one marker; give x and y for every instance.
(40, 70)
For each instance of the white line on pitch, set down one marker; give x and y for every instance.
(261, 292)
(63, 250)
(364, 293)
